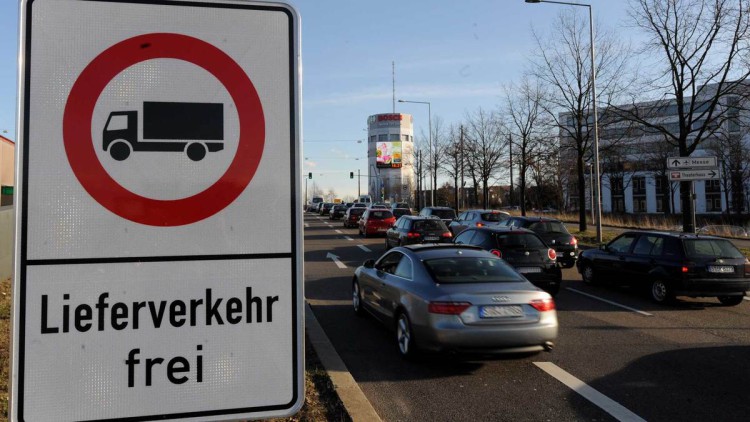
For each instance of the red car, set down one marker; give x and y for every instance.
(376, 221)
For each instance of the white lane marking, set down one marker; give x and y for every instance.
(338, 231)
(364, 248)
(335, 260)
(610, 302)
(605, 403)
(746, 298)
(307, 225)
(348, 238)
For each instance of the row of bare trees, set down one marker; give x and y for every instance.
(684, 88)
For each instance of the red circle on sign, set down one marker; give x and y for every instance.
(79, 146)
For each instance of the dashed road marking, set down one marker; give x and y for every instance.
(364, 248)
(610, 406)
(348, 238)
(610, 302)
(338, 231)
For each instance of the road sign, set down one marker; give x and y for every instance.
(151, 281)
(687, 175)
(692, 162)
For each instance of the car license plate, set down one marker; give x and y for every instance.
(431, 238)
(500, 311)
(721, 269)
(525, 270)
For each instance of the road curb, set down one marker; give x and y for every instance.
(354, 400)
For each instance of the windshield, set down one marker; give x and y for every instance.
(494, 216)
(446, 214)
(518, 241)
(548, 227)
(711, 248)
(471, 270)
(429, 225)
(380, 215)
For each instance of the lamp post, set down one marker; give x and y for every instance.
(432, 168)
(597, 184)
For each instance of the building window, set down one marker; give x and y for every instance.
(382, 138)
(639, 194)
(373, 138)
(713, 202)
(618, 204)
(639, 204)
(639, 185)
(713, 195)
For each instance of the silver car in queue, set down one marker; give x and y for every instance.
(454, 298)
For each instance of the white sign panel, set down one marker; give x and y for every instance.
(687, 175)
(691, 162)
(158, 265)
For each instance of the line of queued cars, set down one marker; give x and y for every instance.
(484, 281)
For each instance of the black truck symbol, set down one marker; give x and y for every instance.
(195, 128)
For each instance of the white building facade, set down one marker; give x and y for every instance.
(633, 157)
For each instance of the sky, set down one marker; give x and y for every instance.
(458, 55)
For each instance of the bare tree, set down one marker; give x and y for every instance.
(486, 149)
(439, 142)
(420, 171)
(527, 122)
(563, 62)
(734, 158)
(452, 159)
(701, 48)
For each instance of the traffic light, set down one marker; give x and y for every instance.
(309, 175)
(351, 175)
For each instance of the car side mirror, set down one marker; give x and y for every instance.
(603, 248)
(370, 263)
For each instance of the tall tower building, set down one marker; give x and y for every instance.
(390, 157)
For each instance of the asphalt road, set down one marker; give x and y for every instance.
(687, 362)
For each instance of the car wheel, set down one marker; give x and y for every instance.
(587, 274)
(568, 264)
(661, 292)
(730, 300)
(405, 337)
(356, 298)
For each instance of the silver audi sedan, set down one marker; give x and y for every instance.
(454, 298)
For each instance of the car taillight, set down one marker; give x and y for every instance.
(447, 234)
(543, 305)
(448, 308)
(480, 225)
(573, 241)
(497, 253)
(685, 269)
(412, 235)
(551, 254)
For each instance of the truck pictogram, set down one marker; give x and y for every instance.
(193, 128)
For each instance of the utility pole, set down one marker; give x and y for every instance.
(461, 148)
(359, 183)
(510, 148)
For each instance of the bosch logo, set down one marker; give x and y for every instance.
(384, 117)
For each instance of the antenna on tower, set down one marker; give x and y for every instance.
(393, 76)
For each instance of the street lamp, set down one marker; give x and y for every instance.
(597, 184)
(429, 122)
